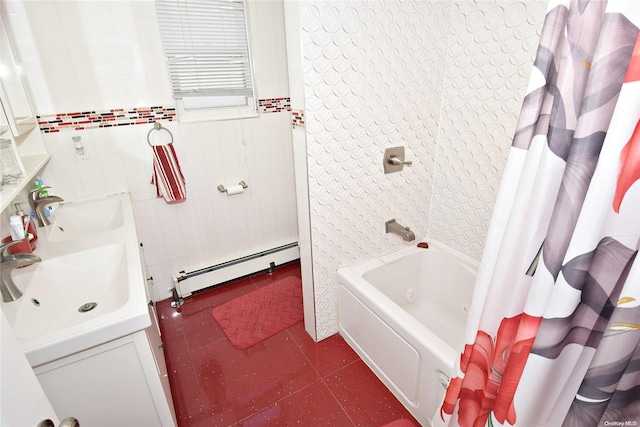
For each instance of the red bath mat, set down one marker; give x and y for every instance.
(258, 315)
(402, 422)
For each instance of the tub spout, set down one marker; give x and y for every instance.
(392, 226)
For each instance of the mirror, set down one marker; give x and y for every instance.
(13, 92)
(4, 123)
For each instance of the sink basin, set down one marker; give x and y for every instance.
(90, 254)
(80, 219)
(61, 291)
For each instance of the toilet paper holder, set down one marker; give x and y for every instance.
(221, 188)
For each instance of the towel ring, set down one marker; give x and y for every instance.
(158, 126)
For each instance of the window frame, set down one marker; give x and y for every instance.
(248, 110)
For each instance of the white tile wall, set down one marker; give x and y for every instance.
(442, 78)
(96, 55)
(490, 51)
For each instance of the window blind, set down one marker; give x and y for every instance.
(206, 47)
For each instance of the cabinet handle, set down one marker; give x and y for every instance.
(70, 422)
(67, 422)
(149, 278)
(151, 303)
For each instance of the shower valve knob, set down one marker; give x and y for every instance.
(394, 160)
(397, 162)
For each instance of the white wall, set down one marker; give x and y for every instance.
(443, 78)
(98, 55)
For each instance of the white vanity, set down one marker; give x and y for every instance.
(85, 320)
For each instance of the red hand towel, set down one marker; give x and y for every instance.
(167, 175)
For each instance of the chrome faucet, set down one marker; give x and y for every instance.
(10, 291)
(38, 202)
(392, 226)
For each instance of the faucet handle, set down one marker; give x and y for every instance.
(394, 160)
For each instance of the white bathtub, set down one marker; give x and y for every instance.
(404, 313)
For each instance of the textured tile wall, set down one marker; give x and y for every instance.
(490, 51)
(445, 80)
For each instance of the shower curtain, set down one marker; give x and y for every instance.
(554, 329)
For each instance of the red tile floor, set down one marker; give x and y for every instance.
(285, 380)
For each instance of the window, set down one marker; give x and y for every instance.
(206, 45)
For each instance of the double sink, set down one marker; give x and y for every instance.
(89, 287)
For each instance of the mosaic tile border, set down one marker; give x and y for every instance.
(297, 119)
(103, 119)
(274, 105)
(81, 120)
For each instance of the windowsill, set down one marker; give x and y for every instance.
(212, 115)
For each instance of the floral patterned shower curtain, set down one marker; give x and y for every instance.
(554, 330)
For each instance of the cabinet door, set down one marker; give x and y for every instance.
(104, 389)
(157, 350)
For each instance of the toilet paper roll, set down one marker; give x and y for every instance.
(234, 189)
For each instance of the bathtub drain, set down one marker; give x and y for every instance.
(87, 307)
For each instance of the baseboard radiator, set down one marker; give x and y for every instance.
(189, 281)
